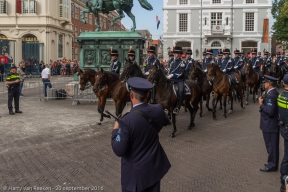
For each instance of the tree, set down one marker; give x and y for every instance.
(280, 14)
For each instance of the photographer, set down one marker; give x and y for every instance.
(135, 139)
(269, 123)
(283, 117)
(13, 81)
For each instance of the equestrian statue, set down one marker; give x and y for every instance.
(104, 6)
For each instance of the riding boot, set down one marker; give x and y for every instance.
(178, 106)
(153, 95)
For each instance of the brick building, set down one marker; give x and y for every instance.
(78, 27)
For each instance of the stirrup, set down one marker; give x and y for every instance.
(176, 111)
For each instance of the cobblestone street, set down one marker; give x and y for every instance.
(54, 145)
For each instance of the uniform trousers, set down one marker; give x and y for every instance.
(284, 163)
(272, 146)
(13, 93)
(153, 188)
(180, 86)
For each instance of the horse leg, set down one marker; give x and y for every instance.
(239, 90)
(247, 93)
(231, 106)
(221, 104)
(130, 14)
(207, 101)
(172, 135)
(101, 107)
(224, 104)
(97, 20)
(214, 103)
(201, 108)
(120, 16)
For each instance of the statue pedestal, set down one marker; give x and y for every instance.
(95, 48)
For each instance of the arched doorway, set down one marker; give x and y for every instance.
(4, 44)
(31, 54)
(247, 46)
(185, 45)
(216, 47)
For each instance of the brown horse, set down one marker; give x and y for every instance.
(252, 81)
(88, 76)
(167, 98)
(108, 85)
(131, 70)
(277, 73)
(220, 87)
(264, 70)
(198, 75)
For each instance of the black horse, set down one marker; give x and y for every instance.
(131, 69)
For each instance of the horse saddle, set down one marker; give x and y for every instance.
(186, 89)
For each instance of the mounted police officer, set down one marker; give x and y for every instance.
(269, 123)
(281, 62)
(115, 63)
(131, 56)
(256, 64)
(13, 82)
(283, 117)
(242, 55)
(227, 65)
(189, 62)
(152, 60)
(208, 59)
(267, 60)
(177, 75)
(259, 55)
(239, 63)
(220, 59)
(135, 139)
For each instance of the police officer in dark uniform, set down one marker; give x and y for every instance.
(177, 75)
(2, 69)
(267, 60)
(13, 82)
(115, 65)
(131, 56)
(283, 117)
(281, 61)
(220, 59)
(152, 60)
(227, 65)
(256, 63)
(259, 55)
(269, 123)
(239, 63)
(242, 55)
(171, 59)
(135, 139)
(207, 59)
(189, 62)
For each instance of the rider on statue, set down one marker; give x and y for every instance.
(100, 3)
(227, 65)
(256, 63)
(152, 60)
(177, 75)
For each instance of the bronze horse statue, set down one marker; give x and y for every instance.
(252, 81)
(167, 98)
(111, 5)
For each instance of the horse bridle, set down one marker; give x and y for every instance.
(127, 75)
(85, 79)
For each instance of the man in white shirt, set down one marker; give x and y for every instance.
(46, 74)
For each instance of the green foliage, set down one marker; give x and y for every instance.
(280, 14)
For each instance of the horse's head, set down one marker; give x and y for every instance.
(154, 74)
(211, 71)
(247, 67)
(83, 79)
(195, 72)
(126, 73)
(100, 81)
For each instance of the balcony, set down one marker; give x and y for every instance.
(217, 31)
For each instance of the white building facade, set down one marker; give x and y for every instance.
(217, 24)
(36, 28)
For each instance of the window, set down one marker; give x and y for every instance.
(249, 21)
(183, 22)
(3, 7)
(249, 1)
(60, 46)
(72, 10)
(216, 19)
(76, 13)
(64, 9)
(28, 6)
(81, 30)
(215, 44)
(183, 2)
(216, 1)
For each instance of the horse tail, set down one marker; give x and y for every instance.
(144, 4)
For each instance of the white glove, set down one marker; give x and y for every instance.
(205, 70)
(170, 76)
(236, 67)
(224, 70)
(147, 73)
(254, 67)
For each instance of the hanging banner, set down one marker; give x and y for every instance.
(265, 37)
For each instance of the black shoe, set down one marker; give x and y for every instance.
(18, 111)
(176, 111)
(11, 112)
(266, 169)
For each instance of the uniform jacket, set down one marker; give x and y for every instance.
(219, 62)
(228, 64)
(207, 60)
(150, 62)
(115, 66)
(269, 113)
(178, 70)
(144, 161)
(169, 63)
(238, 63)
(13, 77)
(280, 60)
(267, 61)
(189, 63)
(255, 63)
